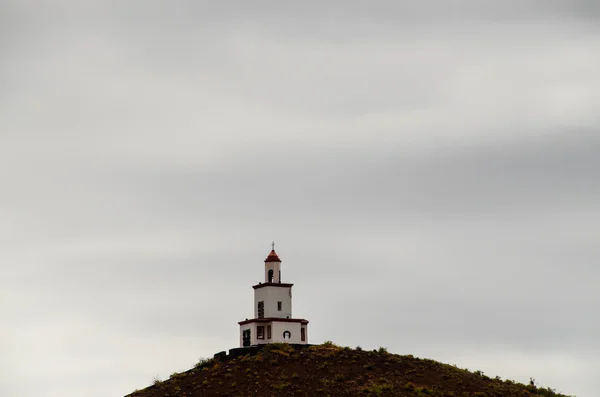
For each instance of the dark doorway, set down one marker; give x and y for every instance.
(246, 338)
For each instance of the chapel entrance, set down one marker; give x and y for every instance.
(246, 338)
(286, 336)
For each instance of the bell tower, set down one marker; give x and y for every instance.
(273, 266)
(273, 321)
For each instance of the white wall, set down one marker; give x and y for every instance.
(271, 295)
(277, 330)
(279, 327)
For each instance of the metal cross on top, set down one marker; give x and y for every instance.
(273, 245)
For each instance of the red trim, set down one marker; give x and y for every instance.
(274, 319)
(286, 285)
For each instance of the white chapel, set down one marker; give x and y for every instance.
(273, 321)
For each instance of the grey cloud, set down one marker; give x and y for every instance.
(430, 168)
(492, 178)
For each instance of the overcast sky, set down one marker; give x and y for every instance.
(430, 174)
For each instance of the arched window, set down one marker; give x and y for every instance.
(270, 275)
(287, 335)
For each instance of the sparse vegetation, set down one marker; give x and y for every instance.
(204, 362)
(331, 370)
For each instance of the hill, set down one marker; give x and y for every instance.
(330, 370)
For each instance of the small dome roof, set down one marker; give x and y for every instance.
(273, 257)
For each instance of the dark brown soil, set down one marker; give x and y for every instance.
(329, 370)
